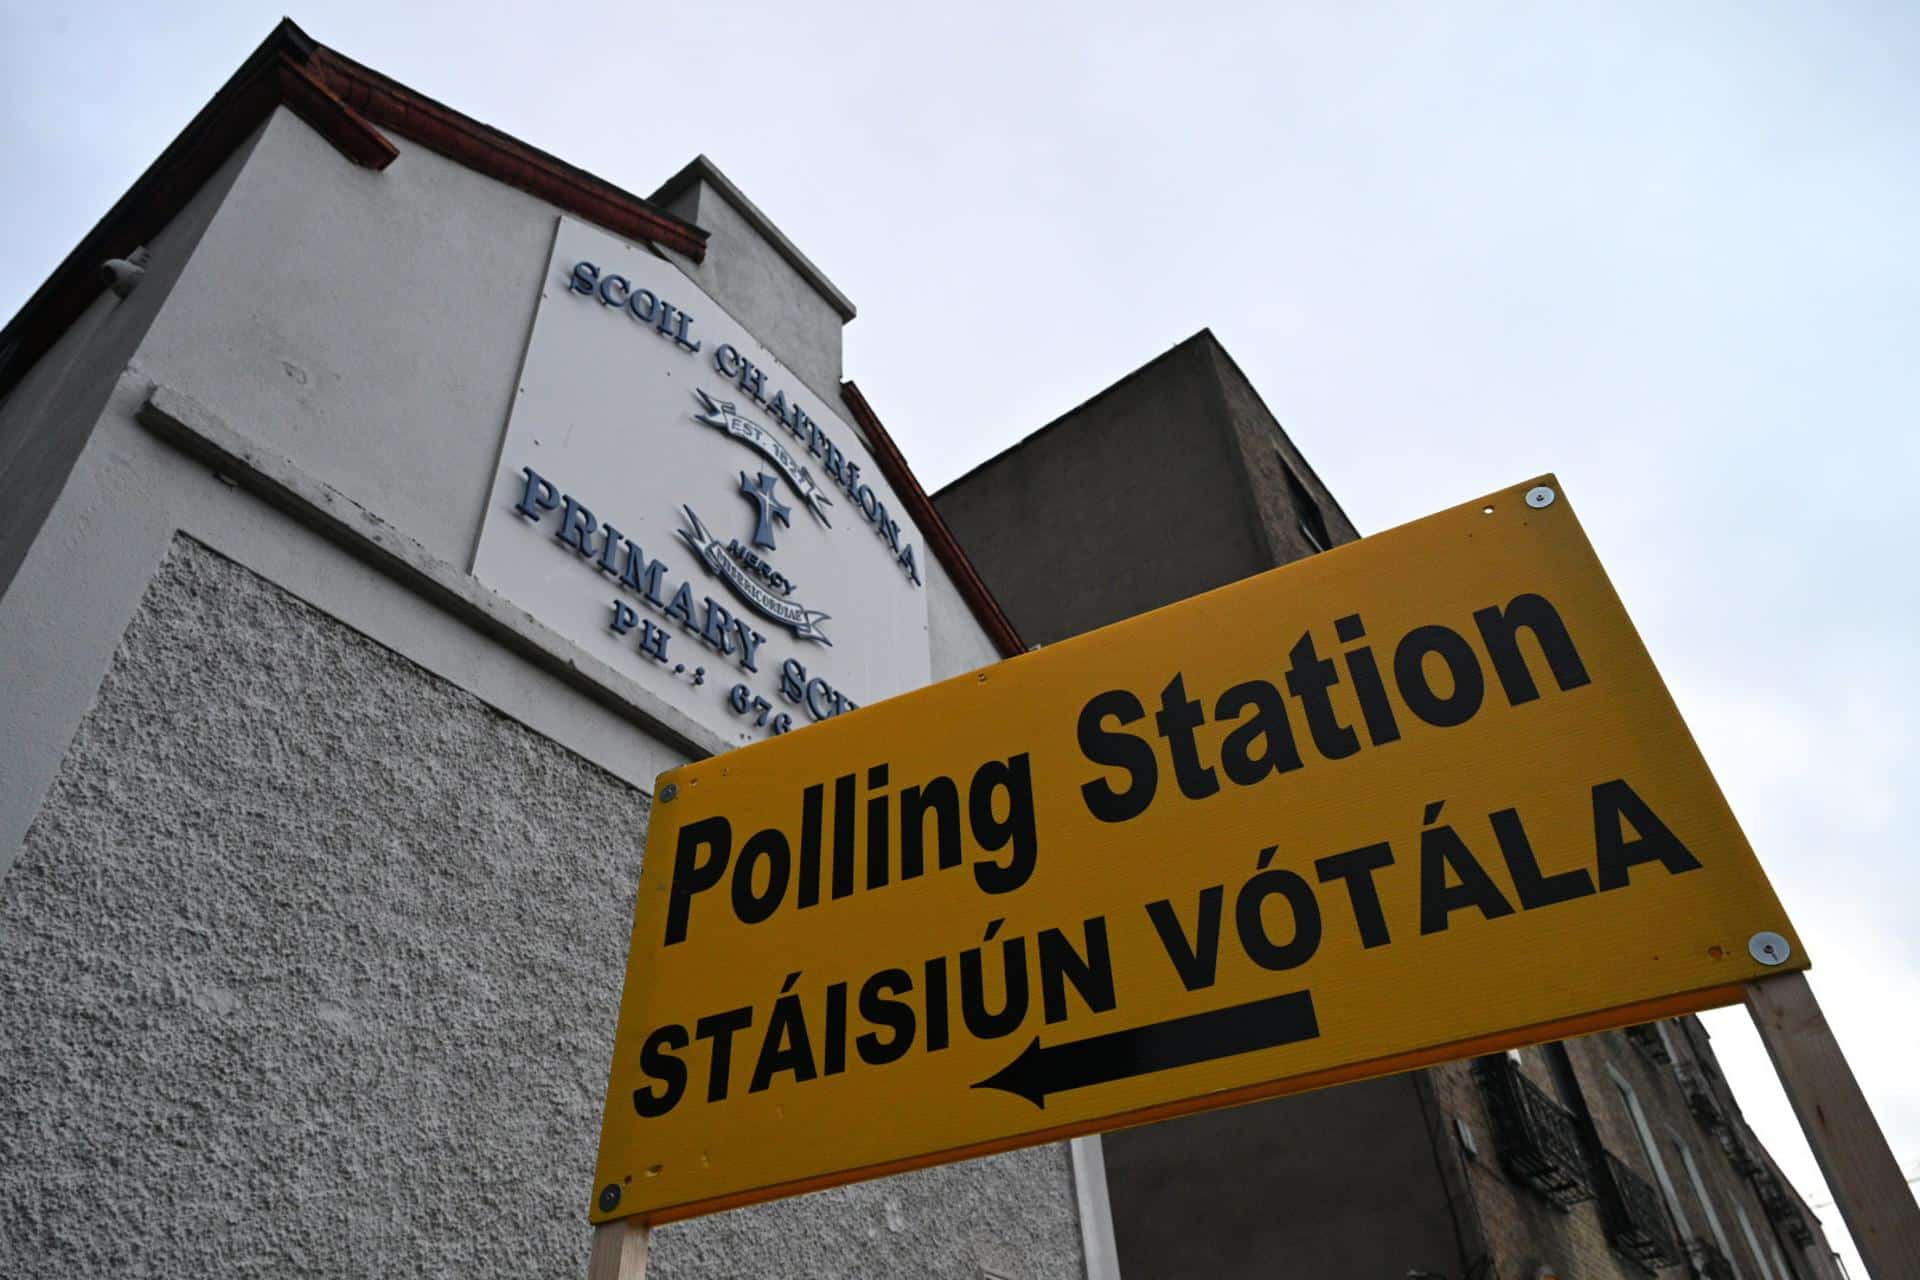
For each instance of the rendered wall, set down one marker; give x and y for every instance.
(310, 965)
(366, 324)
(760, 288)
(313, 897)
(958, 643)
(45, 419)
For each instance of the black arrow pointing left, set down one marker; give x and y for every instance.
(1158, 1046)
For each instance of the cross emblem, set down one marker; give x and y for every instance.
(761, 490)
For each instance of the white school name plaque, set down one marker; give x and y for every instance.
(671, 499)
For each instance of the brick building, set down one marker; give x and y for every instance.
(1612, 1157)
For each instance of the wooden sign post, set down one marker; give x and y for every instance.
(619, 1250)
(1868, 1188)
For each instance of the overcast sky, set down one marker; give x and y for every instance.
(1667, 251)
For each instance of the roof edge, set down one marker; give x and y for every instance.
(1220, 349)
(1204, 335)
(502, 157)
(347, 104)
(702, 169)
(940, 540)
(275, 74)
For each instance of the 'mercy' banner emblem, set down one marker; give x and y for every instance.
(804, 622)
(720, 415)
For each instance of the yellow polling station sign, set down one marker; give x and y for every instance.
(1417, 797)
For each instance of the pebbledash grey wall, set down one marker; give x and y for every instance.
(314, 888)
(309, 966)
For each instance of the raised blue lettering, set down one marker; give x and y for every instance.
(819, 687)
(641, 575)
(606, 291)
(793, 679)
(750, 642)
(537, 496)
(680, 609)
(576, 527)
(716, 627)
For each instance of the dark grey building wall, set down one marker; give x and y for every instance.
(1267, 455)
(1171, 482)
(1332, 1184)
(1366, 1180)
(310, 966)
(1131, 501)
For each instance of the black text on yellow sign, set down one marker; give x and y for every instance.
(1418, 796)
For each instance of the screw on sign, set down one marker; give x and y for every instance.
(1327, 823)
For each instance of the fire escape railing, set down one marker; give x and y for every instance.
(1535, 1136)
(1646, 1038)
(1734, 1141)
(1781, 1206)
(1708, 1262)
(1701, 1099)
(1636, 1222)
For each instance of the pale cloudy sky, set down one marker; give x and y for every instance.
(1667, 251)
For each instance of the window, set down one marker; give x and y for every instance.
(1706, 1202)
(1313, 525)
(1647, 1145)
(1651, 1150)
(1753, 1244)
(1537, 1139)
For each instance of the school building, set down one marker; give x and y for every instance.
(384, 504)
